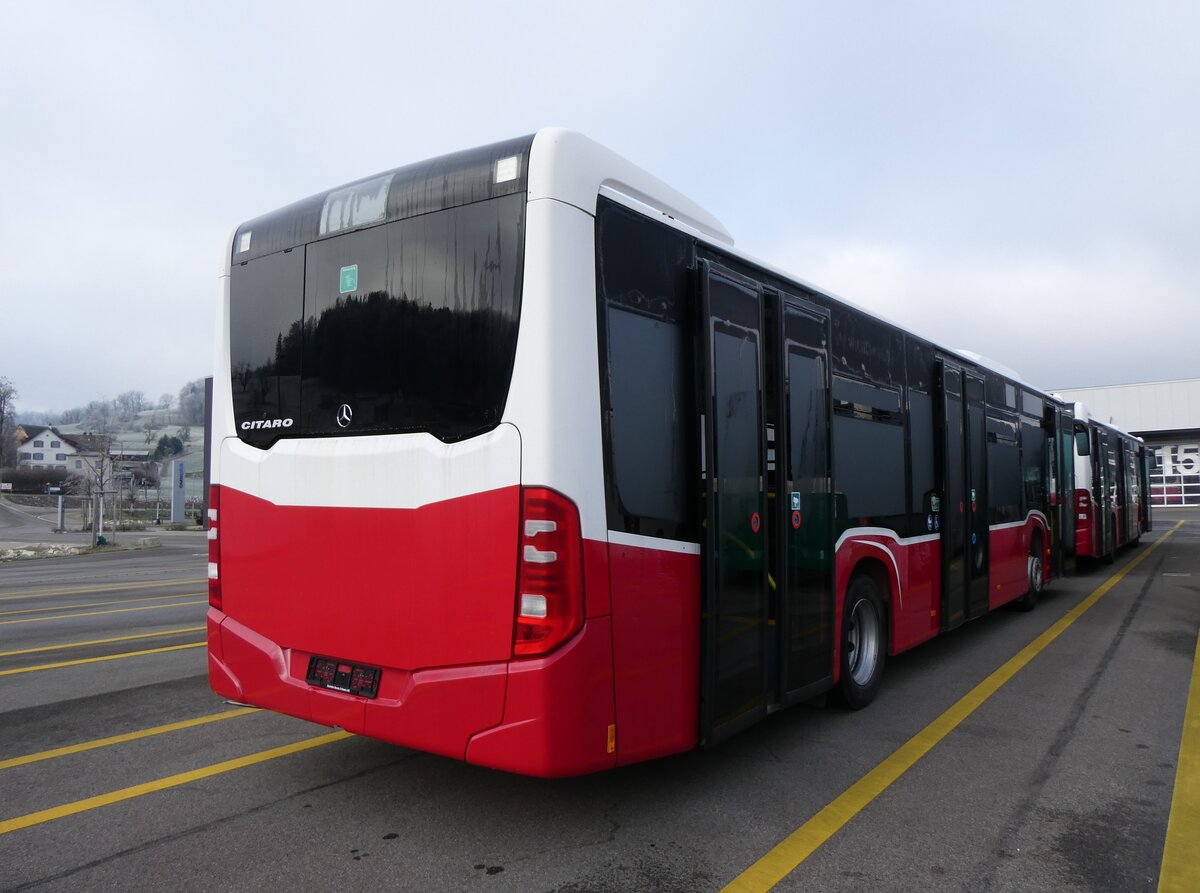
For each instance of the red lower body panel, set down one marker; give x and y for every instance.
(558, 714)
(545, 717)
(912, 571)
(656, 650)
(1008, 573)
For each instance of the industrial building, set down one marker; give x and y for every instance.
(1166, 414)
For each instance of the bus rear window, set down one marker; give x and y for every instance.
(266, 299)
(406, 326)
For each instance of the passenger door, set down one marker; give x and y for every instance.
(734, 470)
(976, 486)
(962, 515)
(803, 516)
(950, 514)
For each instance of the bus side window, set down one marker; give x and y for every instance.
(1082, 447)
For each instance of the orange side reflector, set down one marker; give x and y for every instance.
(612, 738)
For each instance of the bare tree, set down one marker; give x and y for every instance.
(99, 414)
(8, 411)
(130, 403)
(191, 402)
(101, 478)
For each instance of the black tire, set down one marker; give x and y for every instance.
(864, 644)
(1035, 572)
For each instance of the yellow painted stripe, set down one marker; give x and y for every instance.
(121, 739)
(171, 781)
(96, 660)
(805, 840)
(1180, 867)
(106, 587)
(98, 613)
(122, 601)
(166, 632)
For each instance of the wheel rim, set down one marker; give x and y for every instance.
(1035, 573)
(862, 641)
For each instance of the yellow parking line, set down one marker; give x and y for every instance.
(106, 587)
(787, 855)
(98, 613)
(121, 739)
(171, 781)
(1180, 868)
(122, 601)
(168, 632)
(96, 660)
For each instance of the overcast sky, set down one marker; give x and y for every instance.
(1019, 179)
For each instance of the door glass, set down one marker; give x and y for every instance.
(977, 497)
(953, 515)
(809, 520)
(737, 515)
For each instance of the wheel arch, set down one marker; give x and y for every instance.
(885, 575)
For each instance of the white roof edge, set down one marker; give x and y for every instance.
(999, 368)
(1082, 412)
(1134, 384)
(570, 167)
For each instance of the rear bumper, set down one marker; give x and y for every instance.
(547, 717)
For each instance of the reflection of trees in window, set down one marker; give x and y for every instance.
(256, 387)
(424, 366)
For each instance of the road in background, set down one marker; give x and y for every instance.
(1062, 780)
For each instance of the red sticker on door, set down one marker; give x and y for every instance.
(755, 522)
(796, 520)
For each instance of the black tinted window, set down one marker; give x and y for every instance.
(1033, 466)
(866, 348)
(266, 304)
(1004, 471)
(649, 386)
(920, 421)
(644, 285)
(868, 440)
(410, 325)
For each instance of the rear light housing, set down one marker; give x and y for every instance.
(214, 547)
(549, 608)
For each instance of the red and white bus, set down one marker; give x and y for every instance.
(1112, 487)
(517, 459)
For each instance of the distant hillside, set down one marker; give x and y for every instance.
(144, 436)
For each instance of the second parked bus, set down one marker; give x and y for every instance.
(1112, 487)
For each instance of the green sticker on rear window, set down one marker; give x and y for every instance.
(348, 281)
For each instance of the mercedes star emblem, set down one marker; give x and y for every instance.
(345, 415)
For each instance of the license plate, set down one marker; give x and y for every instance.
(339, 675)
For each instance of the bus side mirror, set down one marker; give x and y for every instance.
(1081, 443)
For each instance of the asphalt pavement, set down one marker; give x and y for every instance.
(120, 770)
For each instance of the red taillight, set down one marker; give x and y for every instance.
(550, 581)
(214, 548)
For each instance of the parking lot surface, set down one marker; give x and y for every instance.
(1037, 751)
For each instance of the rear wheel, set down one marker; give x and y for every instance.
(864, 638)
(1036, 575)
